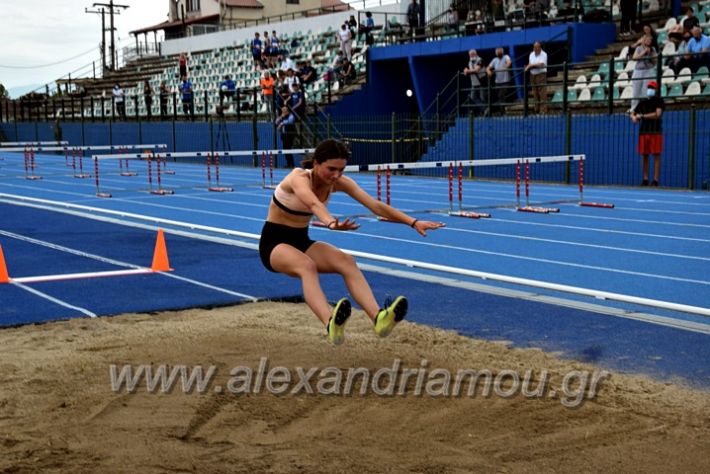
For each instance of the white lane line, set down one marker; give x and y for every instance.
(69, 250)
(577, 244)
(533, 259)
(530, 296)
(211, 287)
(54, 300)
(120, 263)
(605, 231)
(626, 219)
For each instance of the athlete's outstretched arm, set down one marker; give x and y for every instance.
(381, 209)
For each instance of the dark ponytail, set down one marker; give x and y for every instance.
(326, 150)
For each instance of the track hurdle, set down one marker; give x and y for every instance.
(528, 207)
(388, 185)
(460, 212)
(271, 170)
(160, 191)
(584, 203)
(48, 143)
(217, 188)
(124, 162)
(99, 193)
(30, 164)
(80, 155)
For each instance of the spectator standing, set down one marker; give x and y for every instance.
(413, 11)
(352, 25)
(266, 50)
(452, 19)
(297, 104)
(148, 98)
(477, 74)
(182, 65)
(699, 49)
(644, 70)
(499, 70)
(366, 29)
(275, 49)
(537, 66)
(120, 100)
(267, 84)
(256, 47)
(227, 90)
(628, 17)
(286, 126)
(163, 93)
(345, 36)
(188, 97)
(649, 113)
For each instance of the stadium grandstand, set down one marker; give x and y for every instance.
(405, 96)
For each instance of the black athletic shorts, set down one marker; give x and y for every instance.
(275, 234)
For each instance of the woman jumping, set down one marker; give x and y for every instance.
(285, 246)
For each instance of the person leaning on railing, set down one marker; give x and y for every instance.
(499, 71)
(537, 66)
(477, 73)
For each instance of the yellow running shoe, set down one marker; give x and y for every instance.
(387, 318)
(336, 325)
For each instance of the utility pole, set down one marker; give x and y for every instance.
(112, 9)
(101, 12)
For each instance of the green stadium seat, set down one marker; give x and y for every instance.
(603, 69)
(676, 91)
(599, 94)
(701, 74)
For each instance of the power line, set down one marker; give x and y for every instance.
(50, 64)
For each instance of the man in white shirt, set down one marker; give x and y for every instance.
(287, 63)
(119, 100)
(537, 66)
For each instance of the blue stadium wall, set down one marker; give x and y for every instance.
(178, 136)
(608, 141)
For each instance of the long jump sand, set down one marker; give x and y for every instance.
(58, 412)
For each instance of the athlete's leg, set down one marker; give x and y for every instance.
(292, 262)
(332, 260)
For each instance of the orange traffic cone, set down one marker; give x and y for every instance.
(4, 277)
(160, 255)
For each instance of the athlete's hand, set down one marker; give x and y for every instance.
(345, 224)
(423, 226)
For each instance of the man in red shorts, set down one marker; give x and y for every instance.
(649, 112)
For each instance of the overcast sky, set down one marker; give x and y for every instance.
(40, 32)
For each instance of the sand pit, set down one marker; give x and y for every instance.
(59, 413)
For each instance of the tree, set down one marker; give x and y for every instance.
(3, 92)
